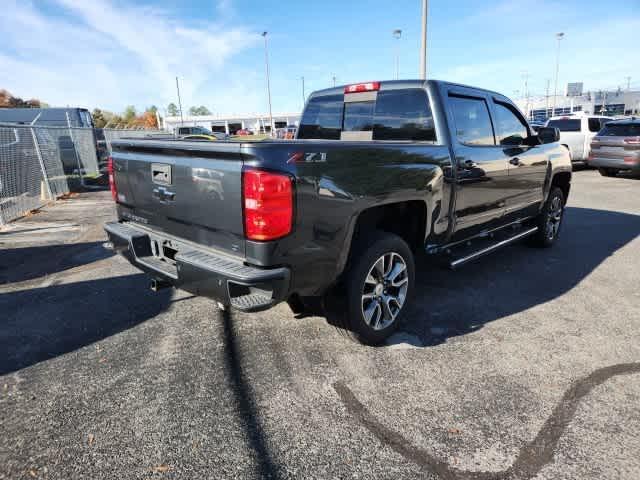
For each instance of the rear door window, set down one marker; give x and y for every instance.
(565, 124)
(472, 121)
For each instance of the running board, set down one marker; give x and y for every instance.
(453, 264)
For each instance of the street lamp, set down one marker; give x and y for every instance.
(559, 36)
(266, 63)
(397, 34)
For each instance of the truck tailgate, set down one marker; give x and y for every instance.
(190, 190)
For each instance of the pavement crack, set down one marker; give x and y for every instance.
(531, 457)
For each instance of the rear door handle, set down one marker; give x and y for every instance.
(515, 161)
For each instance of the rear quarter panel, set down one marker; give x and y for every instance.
(334, 182)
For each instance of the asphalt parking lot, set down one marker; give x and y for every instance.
(525, 364)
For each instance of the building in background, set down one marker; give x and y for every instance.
(230, 124)
(618, 102)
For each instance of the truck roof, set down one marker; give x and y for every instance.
(398, 84)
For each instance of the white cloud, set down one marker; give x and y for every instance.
(101, 54)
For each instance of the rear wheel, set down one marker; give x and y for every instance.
(549, 220)
(379, 283)
(608, 172)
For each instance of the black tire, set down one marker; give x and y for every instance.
(549, 220)
(364, 277)
(608, 172)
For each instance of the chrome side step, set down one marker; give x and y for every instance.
(453, 264)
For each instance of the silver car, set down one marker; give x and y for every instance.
(617, 147)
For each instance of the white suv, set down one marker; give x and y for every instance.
(577, 131)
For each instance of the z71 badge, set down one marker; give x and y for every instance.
(310, 157)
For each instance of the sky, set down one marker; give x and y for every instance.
(113, 53)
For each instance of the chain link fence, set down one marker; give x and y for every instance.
(39, 163)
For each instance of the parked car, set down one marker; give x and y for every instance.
(287, 133)
(181, 131)
(617, 147)
(379, 172)
(244, 131)
(212, 138)
(577, 131)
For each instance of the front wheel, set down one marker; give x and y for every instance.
(549, 220)
(379, 283)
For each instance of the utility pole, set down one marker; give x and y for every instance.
(559, 36)
(423, 46)
(397, 34)
(304, 97)
(546, 107)
(266, 62)
(179, 102)
(334, 80)
(525, 76)
(628, 79)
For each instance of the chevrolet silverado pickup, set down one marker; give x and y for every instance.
(378, 173)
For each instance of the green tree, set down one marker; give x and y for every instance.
(129, 114)
(99, 119)
(201, 110)
(172, 110)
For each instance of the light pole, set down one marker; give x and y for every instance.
(397, 34)
(423, 47)
(525, 76)
(559, 36)
(266, 63)
(179, 102)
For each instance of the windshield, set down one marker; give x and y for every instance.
(565, 125)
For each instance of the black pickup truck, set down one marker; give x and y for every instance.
(379, 172)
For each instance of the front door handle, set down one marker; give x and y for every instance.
(515, 161)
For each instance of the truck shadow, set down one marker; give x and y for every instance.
(451, 303)
(41, 323)
(28, 263)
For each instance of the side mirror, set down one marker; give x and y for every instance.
(548, 134)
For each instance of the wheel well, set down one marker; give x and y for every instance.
(408, 220)
(563, 181)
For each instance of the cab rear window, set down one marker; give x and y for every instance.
(565, 125)
(394, 115)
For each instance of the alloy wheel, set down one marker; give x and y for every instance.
(384, 291)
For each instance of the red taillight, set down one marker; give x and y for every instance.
(362, 87)
(632, 141)
(268, 204)
(112, 179)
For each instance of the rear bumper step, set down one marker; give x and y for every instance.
(203, 273)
